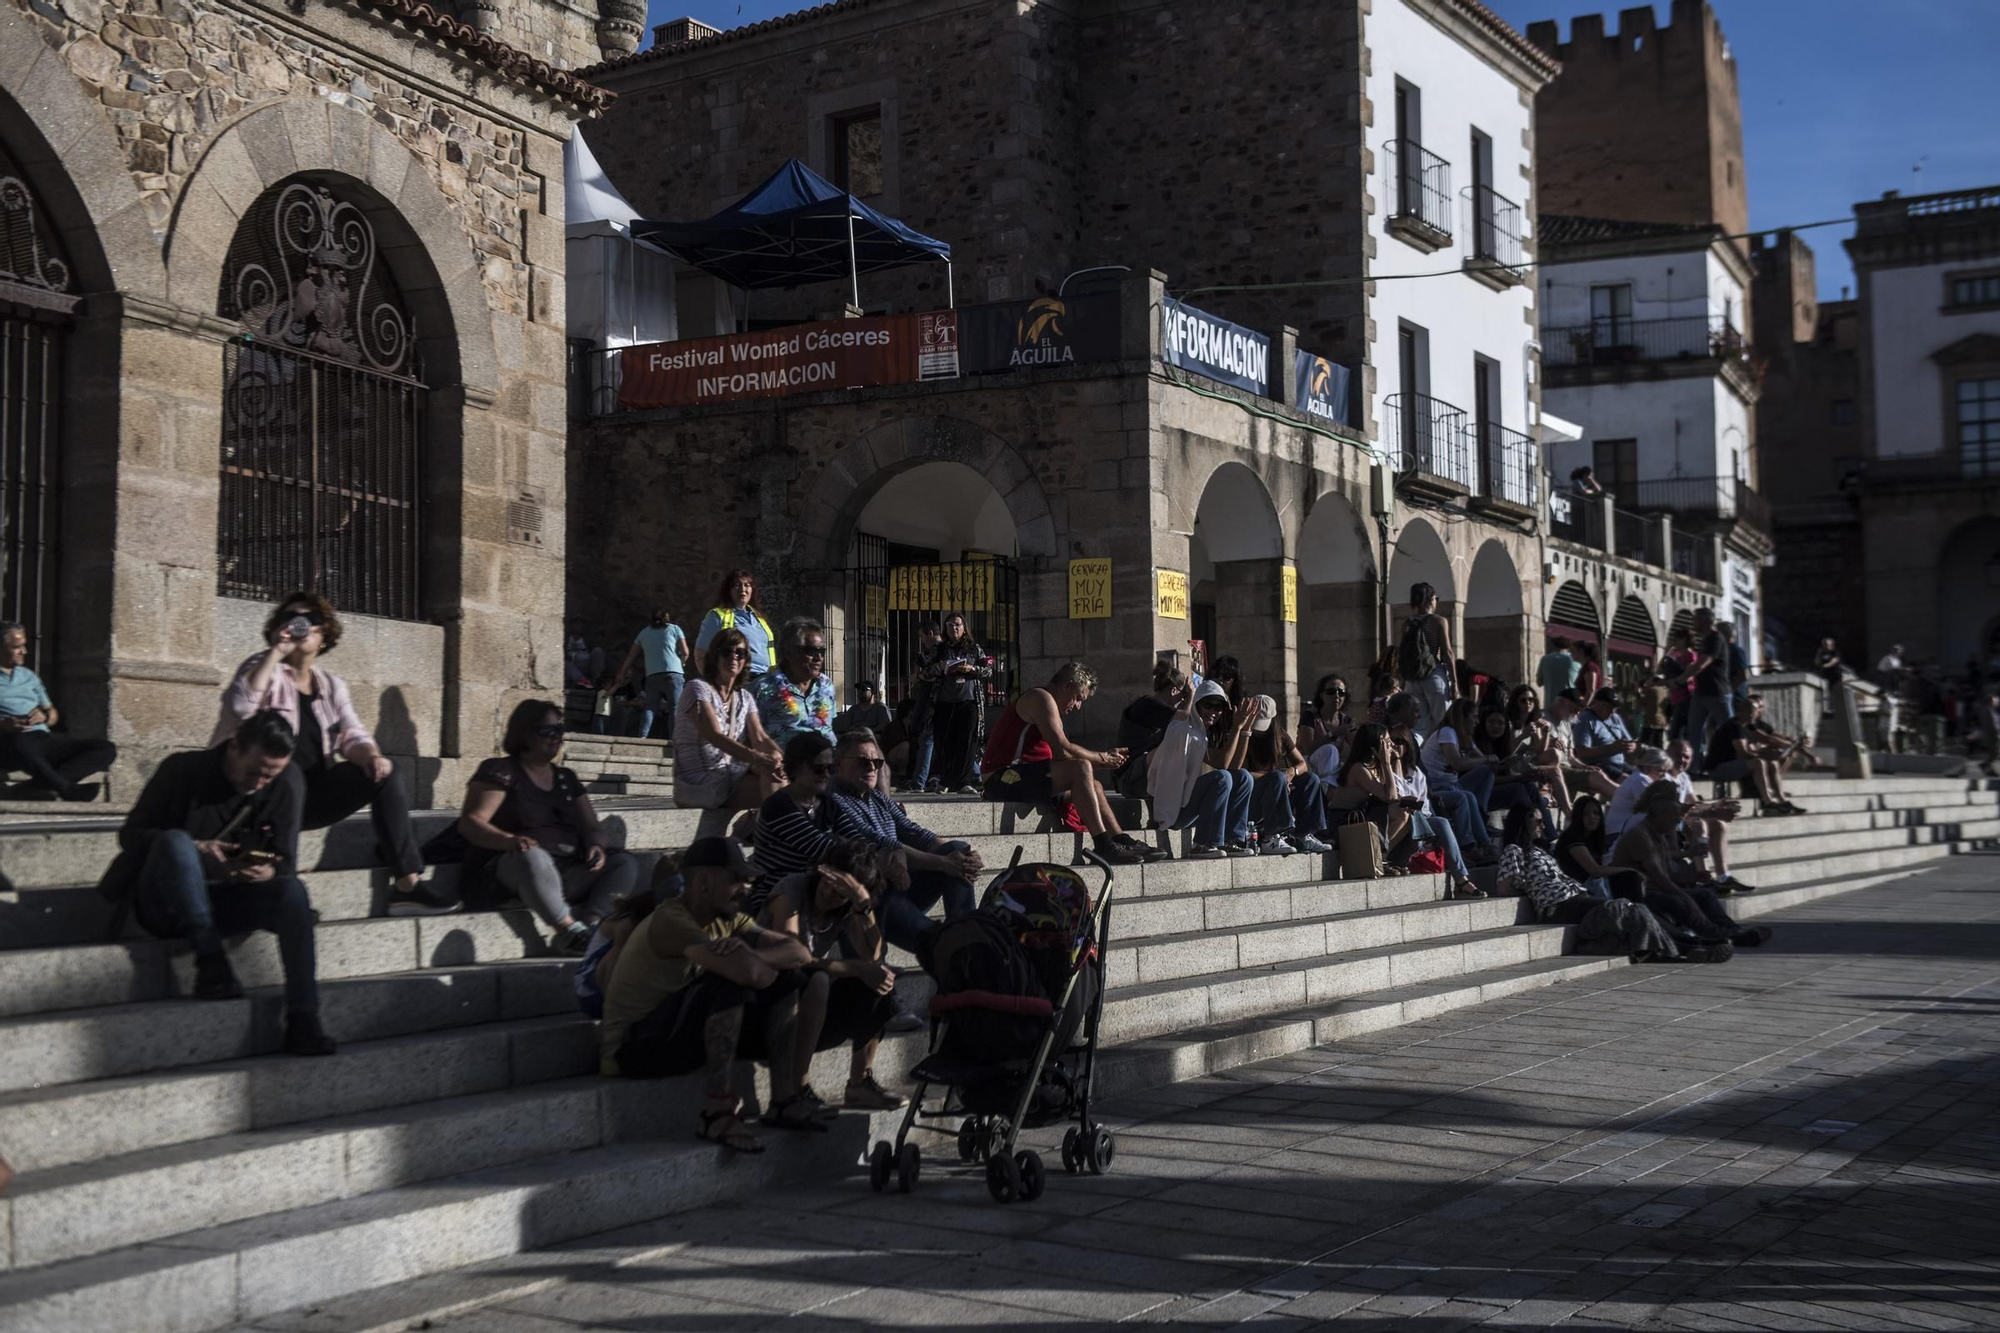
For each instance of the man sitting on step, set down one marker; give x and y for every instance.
(1647, 847)
(54, 763)
(211, 850)
(699, 986)
(921, 868)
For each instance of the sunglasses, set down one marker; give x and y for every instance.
(813, 649)
(552, 733)
(737, 652)
(866, 762)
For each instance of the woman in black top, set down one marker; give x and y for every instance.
(535, 834)
(791, 827)
(961, 671)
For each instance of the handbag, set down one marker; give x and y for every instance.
(1361, 850)
(1426, 863)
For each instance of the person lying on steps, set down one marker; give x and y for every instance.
(211, 849)
(701, 986)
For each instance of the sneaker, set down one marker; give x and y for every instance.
(574, 939)
(1313, 846)
(1202, 851)
(1791, 809)
(934, 788)
(1751, 937)
(1239, 849)
(868, 1095)
(1719, 951)
(1735, 885)
(81, 791)
(304, 1036)
(215, 979)
(1149, 851)
(971, 789)
(423, 898)
(1119, 853)
(1276, 845)
(905, 1021)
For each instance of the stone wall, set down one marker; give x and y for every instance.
(148, 128)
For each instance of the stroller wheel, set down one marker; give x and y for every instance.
(1072, 1163)
(881, 1160)
(1003, 1179)
(968, 1139)
(909, 1165)
(1099, 1151)
(1029, 1166)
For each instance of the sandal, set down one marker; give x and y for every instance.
(736, 1140)
(1465, 888)
(796, 1113)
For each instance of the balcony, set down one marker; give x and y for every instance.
(1429, 443)
(1509, 468)
(1420, 195)
(1615, 349)
(1713, 499)
(1694, 557)
(1496, 239)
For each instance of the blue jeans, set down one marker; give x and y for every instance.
(172, 900)
(1704, 710)
(659, 695)
(1431, 694)
(1462, 812)
(1441, 829)
(1219, 802)
(1278, 805)
(905, 915)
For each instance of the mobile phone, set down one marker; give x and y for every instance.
(257, 856)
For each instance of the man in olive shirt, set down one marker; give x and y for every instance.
(700, 985)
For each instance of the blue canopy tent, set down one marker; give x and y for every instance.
(795, 228)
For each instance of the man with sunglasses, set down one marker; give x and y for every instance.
(796, 695)
(920, 867)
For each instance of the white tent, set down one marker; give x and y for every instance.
(621, 290)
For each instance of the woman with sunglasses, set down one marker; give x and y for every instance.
(534, 833)
(791, 824)
(337, 766)
(1329, 722)
(722, 758)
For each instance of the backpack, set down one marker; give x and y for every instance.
(1416, 658)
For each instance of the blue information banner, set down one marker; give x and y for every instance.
(1323, 388)
(1196, 340)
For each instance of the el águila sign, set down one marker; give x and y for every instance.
(799, 358)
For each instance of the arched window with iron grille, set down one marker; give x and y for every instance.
(37, 296)
(322, 410)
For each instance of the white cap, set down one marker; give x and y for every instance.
(1267, 713)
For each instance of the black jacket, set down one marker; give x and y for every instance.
(191, 792)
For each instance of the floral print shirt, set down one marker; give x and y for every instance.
(786, 709)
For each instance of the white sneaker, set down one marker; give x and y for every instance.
(1239, 849)
(1276, 845)
(1313, 845)
(1203, 852)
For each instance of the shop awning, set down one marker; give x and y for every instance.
(795, 228)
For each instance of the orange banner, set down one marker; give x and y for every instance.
(799, 358)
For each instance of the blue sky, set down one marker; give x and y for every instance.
(1840, 97)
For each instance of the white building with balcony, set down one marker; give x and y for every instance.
(1643, 348)
(1453, 181)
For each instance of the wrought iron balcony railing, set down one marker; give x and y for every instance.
(1429, 437)
(1614, 341)
(1420, 186)
(1496, 226)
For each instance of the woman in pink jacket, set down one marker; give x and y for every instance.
(337, 765)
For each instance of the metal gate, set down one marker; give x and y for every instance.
(319, 480)
(30, 409)
(892, 597)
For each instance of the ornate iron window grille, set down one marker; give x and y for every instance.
(323, 407)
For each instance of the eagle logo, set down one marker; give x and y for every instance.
(1043, 319)
(1322, 377)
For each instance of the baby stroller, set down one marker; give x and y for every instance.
(1016, 981)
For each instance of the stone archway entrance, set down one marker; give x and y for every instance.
(1496, 622)
(1236, 560)
(1340, 611)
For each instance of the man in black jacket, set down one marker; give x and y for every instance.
(211, 850)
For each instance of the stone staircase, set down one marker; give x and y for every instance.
(170, 1163)
(621, 765)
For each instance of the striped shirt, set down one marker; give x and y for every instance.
(789, 839)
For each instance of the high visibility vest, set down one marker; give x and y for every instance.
(726, 617)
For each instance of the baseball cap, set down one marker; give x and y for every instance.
(717, 853)
(1267, 713)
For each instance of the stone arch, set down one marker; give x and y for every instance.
(845, 485)
(422, 235)
(61, 138)
(1968, 560)
(1236, 518)
(1236, 556)
(1340, 598)
(1632, 646)
(1421, 557)
(1496, 621)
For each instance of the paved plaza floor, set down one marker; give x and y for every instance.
(1804, 1138)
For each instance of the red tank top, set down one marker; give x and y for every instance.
(1014, 740)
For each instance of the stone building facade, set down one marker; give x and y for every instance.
(307, 329)
(1050, 137)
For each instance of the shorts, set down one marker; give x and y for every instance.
(711, 791)
(1733, 771)
(1025, 782)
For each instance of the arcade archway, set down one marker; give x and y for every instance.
(1340, 595)
(1235, 561)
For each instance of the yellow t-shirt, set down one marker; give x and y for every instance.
(653, 967)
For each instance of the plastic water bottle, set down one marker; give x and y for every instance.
(1253, 843)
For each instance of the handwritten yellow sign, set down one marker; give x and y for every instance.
(1090, 589)
(967, 586)
(876, 614)
(1173, 598)
(1289, 587)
